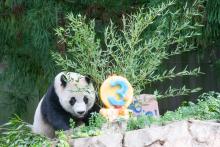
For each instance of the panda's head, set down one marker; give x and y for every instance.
(75, 92)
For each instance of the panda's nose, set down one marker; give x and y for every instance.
(81, 112)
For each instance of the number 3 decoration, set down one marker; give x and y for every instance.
(121, 92)
(116, 92)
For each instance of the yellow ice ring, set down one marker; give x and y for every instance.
(116, 92)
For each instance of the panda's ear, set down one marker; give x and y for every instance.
(88, 79)
(96, 96)
(63, 80)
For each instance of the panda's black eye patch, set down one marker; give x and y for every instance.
(72, 100)
(86, 100)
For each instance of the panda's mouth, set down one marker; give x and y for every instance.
(76, 115)
(80, 114)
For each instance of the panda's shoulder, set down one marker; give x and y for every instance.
(50, 98)
(50, 101)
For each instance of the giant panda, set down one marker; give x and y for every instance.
(71, 95)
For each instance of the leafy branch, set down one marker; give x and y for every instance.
(172, 92)
(136, 51)
(169, 74)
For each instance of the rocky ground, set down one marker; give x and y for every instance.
(191, 133)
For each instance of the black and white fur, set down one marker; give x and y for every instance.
(70, 96)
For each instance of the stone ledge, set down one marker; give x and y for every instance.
(190, 133)
(107, 140)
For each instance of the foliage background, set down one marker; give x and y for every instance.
(27, 38)
(136, 49)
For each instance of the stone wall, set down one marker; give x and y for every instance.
(192, 133)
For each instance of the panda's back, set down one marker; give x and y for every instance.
(40, 126)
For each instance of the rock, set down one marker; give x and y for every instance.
(115, 127)
(107, 140)
(176, 134)
(192, 133)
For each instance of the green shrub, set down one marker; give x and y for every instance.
(134, 50)
(62, 139)
(97, 120)
(17, 133)
(140, 122)
(207, 108)
(93, 129)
